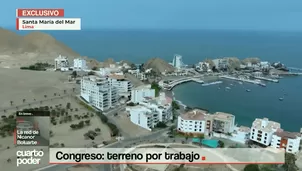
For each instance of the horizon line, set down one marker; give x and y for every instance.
(163, 29)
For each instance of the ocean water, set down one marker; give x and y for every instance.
(140, 45)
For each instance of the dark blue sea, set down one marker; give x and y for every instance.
(195, 45)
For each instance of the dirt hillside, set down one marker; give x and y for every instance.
(17, 50)
(158, 65)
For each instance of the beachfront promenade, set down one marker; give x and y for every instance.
(174, 83)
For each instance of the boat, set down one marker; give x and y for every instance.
(281, 98)
(231, 84)
(262, 84)
(228, 88)
(240, 82)
(247, 90)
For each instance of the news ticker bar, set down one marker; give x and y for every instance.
(48, 24)
(164, 156)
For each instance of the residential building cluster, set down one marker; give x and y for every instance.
(223, 63)
(98, 92)
(79, 64)
(201, 122)
(62, 63)
(103, 92)
(269, 133)
(262, 132)
(119, 81)
(138, 74)
(147, 110)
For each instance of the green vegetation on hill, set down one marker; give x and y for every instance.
(175, 105)
(251, 167)
(37, 67)
(156, 87)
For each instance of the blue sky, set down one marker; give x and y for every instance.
(284, 15)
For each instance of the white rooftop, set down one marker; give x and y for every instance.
(265, 125)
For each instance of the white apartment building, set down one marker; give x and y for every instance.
(241, 134)
(143, 116)
(223, 122)
(79, 64)
(119, 81)
(61, 62)
(203, 66)
(138, 74)
(108, 71)
(98, 92)
(193, 122)
(262, 131)
(177, 62)
(220, 63)
(140, 93)
(151, 111)
(290, 141)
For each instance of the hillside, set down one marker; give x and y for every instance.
(35, 46)
(158, 65)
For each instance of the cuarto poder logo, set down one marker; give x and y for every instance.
(29, 157)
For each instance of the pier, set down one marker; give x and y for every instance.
(294, 69)
(267, 79)
(212, 83)
(243, 80)
(174, 83)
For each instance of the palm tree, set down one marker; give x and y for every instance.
(73, 89)
(34, 99)
(50, 133)
(64, 91)
(24, 100)
(11, 103)
(54, 94)
(87, 122)
(45, 96)
(8, 160)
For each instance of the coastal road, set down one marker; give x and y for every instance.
(120, 144)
